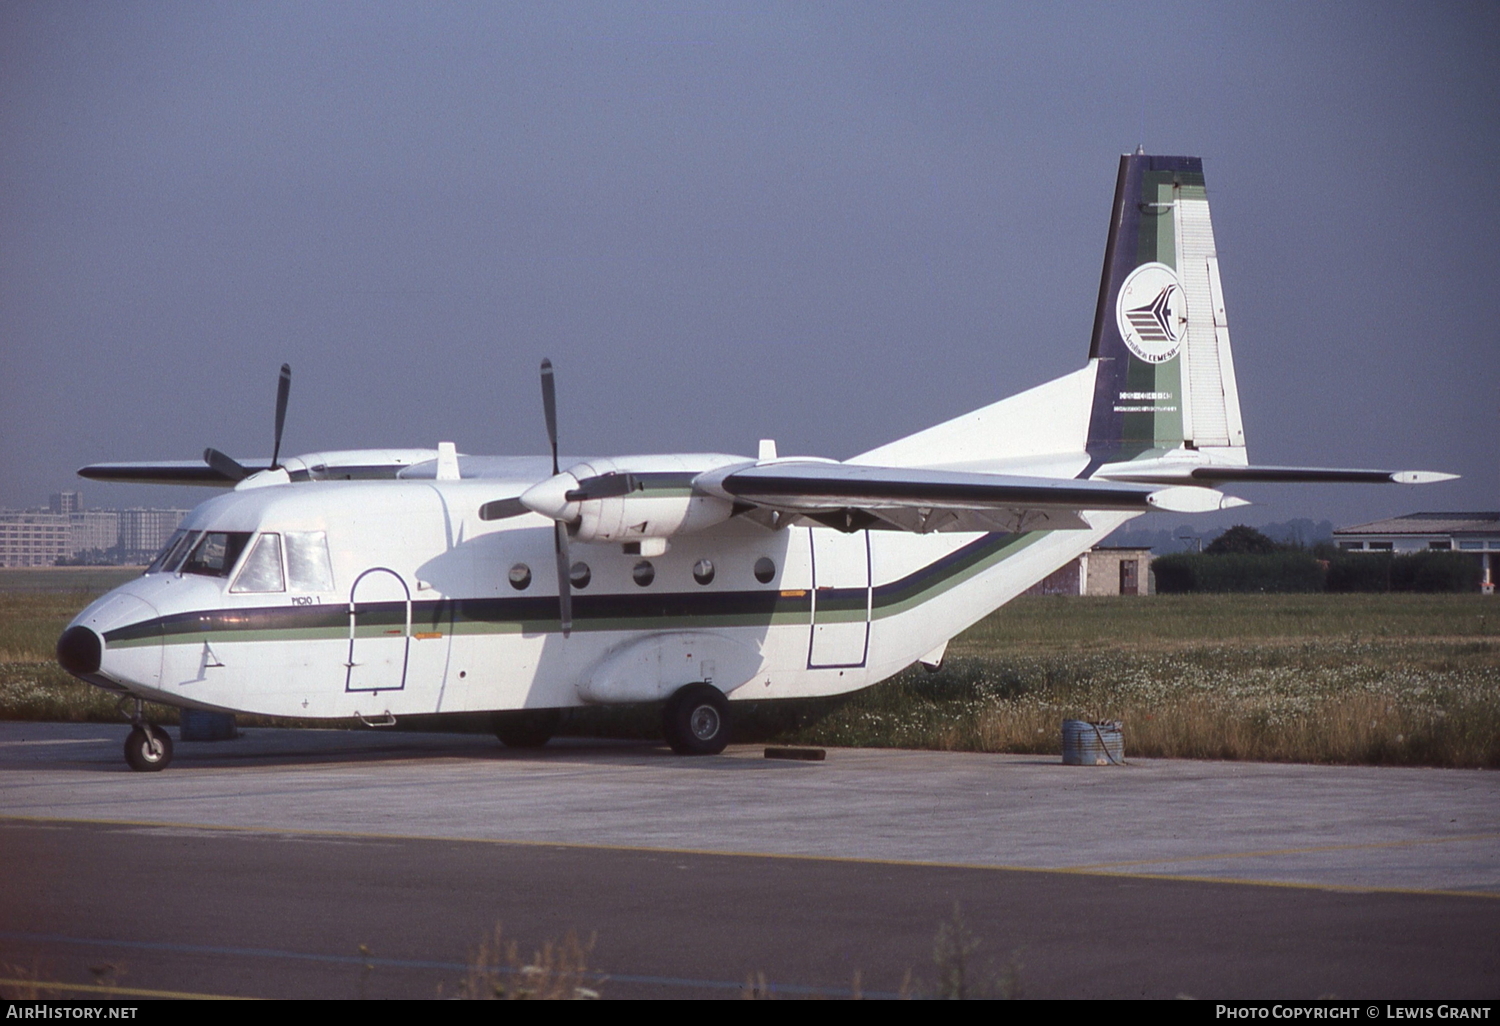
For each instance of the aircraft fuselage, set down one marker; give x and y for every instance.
(425, 608)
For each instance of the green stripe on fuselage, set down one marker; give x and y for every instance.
(610, 612)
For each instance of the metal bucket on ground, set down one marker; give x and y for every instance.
(1093, 744)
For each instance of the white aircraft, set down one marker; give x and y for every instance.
(382, 583)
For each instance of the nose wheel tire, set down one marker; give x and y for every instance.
(148, 749)
(695, 720)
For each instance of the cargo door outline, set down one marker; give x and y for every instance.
(377, 661)
(840, 623)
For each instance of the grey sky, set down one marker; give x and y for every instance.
(828, 224)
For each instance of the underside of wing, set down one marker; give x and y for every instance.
(852, 497)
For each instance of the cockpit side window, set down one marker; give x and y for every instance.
(216, 553)
(262, 569)
(307, 563)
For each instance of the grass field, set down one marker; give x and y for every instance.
(1403, 679)
(1358, 678)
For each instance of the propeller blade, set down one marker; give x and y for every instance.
(283, 388)
(502, 509)
(564, 575)
(225, 465)
(549, 408)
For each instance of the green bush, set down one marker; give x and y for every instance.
(1286, 571)
(1359, 571)
(1430, 571)
(1435, 571)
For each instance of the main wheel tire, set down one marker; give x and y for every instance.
(695, 720)
(525, 728)
(148, 749)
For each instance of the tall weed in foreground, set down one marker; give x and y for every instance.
(557, 971)
(961, 971)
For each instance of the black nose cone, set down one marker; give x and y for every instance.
(79, 650)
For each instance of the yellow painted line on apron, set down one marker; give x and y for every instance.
(1286, 851)
(105, 991)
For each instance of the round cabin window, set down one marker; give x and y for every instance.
(703, 571)
(520, 577)
(580, 575)
(765, 570)
(643, 573)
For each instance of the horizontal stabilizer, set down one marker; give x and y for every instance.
(1182, 472)
(1318, 474)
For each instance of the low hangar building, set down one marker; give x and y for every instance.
(1477, 534)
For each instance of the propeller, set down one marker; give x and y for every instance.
(500, 509)
(227, 466)
(283, 389)
(232, 469)
(559, 529)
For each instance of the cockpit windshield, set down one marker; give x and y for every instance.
(216, 553)
(173, 553)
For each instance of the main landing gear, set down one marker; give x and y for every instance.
(525, 728)
(149, 747)
(695, 720)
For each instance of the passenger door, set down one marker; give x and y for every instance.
(841, 598)
(379, 632)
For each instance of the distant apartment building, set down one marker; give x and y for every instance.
(33, 538)
(67, 531)
(66, 502)
(143, 532)
(94, 531)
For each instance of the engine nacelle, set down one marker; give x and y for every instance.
(631, 499)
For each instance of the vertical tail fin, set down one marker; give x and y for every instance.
(1165, 375)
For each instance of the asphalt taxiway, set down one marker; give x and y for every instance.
(341, 864)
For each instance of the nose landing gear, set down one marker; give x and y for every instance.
(149, 747)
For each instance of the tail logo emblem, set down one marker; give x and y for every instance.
(1151, 313)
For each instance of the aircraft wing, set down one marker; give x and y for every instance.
(851, 497)
(343, 465)
(172, 472)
